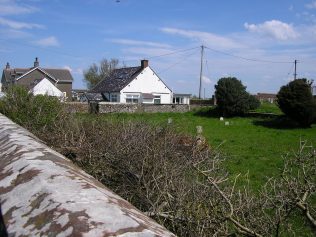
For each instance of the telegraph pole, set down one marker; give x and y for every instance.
(295, 74)
(201, 71)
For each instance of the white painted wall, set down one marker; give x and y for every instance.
(147, 82)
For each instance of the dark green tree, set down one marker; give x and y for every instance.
(97, 72)
(232, 97)
(296, 101)
(254, 103)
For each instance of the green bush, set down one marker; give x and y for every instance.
(30, 111)
(232, 97)
(296, 101)
(253, 102)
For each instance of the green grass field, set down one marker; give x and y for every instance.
(252, 145)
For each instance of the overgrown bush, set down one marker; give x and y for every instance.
(253, 102)
(232, 98)
(178, 179)
(180, 182)
(33, 112)
(296, 101)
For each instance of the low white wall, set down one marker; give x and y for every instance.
(43, 194)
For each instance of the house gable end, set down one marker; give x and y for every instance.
(160, 79)
(37, 69)
(146, 81)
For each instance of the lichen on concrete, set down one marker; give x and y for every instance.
(43, 194)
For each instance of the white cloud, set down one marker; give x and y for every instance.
(49, 41)
(17, 25)
(139, 43)
(206, 80)
(207, 38)
(147, 52)
(14, 34)
(74, 70)
(311, 5)
(275, 29)
(68, 68)
(10, 7)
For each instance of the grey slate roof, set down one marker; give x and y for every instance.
(94, 96)
(117, 80)
(59, 74)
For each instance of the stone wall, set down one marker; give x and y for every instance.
(104, 107)
(77, 107)
(44, 194)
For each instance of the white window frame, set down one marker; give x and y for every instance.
(157, 99)
(178, 100)
(132, 99)
(114, 98)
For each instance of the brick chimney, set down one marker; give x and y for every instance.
(36, 63)
(7, 66)
(144, 63)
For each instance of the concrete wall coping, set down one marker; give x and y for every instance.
(44, 194)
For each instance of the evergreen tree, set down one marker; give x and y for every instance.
(296, 101)
(232, 97)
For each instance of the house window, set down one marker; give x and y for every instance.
(178, 100)
(157, 99)
(114, 98)
(134, 99)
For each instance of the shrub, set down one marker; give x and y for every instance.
(30, 111)
(253, 102)
(232, 97)
(179, 182)
(296, 101)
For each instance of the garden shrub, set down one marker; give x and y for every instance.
(232, 97)
(296, 101)
(38, 112)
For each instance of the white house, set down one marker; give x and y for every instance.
(45, 87)
(31, 76)
(135, 85)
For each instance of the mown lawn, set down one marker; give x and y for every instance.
(252, 145)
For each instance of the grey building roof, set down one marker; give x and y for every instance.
(117, 80)
(58, 74)
(95, 97)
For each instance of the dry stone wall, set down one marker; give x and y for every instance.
(103, 107)
(77, 107)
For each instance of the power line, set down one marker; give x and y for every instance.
(244, 58)
(176, 63)
(174, 52)
(166, 54)
(290, 70)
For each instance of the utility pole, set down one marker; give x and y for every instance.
(201, 71)
(295, 74)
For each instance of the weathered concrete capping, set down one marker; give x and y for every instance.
(44, 194)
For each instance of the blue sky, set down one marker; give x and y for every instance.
(255, 41)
